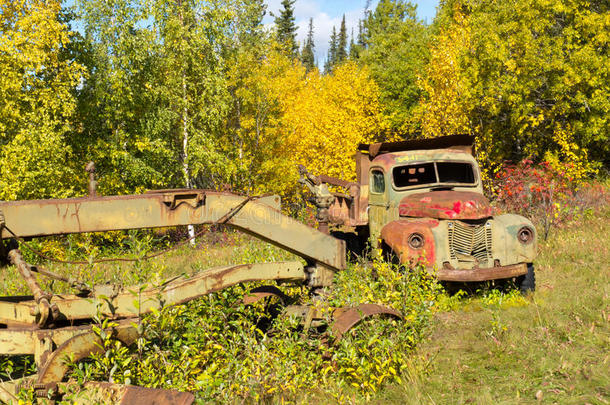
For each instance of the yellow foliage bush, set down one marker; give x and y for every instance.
(36, 90)
(313, 120)
(570, 158)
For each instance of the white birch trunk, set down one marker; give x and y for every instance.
(185, 144)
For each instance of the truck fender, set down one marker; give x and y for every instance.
(398, 236)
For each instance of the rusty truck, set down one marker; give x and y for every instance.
(422, 200)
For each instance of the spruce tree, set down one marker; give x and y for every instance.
(307, 54)
(286, 29)
(354, 49)
(341, 50)
(361, 34)
(331, 60)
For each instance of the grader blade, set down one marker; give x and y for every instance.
(262, 292)
(80, 347)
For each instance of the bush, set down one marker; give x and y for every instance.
(223, 350)
(547, 193)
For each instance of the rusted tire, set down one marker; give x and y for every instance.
(527, 282)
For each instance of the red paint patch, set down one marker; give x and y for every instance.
(445, 205)
(457, 207)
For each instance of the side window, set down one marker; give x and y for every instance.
(377, 182)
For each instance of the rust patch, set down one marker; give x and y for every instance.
(396, 235)
(481, 274)
(345, 319)
(151, 396)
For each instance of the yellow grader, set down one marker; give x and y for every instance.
(53, 327)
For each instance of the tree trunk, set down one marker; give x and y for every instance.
(185, 144)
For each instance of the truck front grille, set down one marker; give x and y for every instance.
(468, 241)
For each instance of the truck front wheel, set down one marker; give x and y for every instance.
(527, 282)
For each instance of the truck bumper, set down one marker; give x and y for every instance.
(482, 274)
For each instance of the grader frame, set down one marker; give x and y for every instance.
(53, 326)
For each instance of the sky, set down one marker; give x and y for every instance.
(328, 13)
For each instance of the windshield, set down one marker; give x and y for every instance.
(433, 173)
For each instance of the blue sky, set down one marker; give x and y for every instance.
(328, 13)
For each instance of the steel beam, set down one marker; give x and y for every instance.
(137, 300)
(261, 218)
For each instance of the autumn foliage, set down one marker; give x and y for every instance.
(323, 119)
(547, 194)
(159, 96)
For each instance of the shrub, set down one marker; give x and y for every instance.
(548, 194)
(224, 350)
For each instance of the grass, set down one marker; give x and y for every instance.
(212, 250)
(552, 346)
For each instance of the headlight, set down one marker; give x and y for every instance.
(416, 240)
(525, 235)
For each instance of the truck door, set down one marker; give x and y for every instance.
(378, 203)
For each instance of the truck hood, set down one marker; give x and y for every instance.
(446, 204)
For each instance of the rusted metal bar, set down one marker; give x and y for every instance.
(480, 274)
(336, 181)
(43, 311)
(136, 300)
(7, 394)
(25, 339)
(260, 218)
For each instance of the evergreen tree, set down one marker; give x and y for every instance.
(354, 51)
(341, 52)
(361, 33)
(286, 29)
(307, 55)
(331, 60)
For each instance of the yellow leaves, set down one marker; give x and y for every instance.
(36, 88)
(570, 158)
(444, 110)
(330, 116)
(309, 119)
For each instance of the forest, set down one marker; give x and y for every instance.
(202, 94)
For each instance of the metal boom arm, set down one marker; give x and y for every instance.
(261, 218)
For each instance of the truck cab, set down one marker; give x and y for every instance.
(423, 201)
